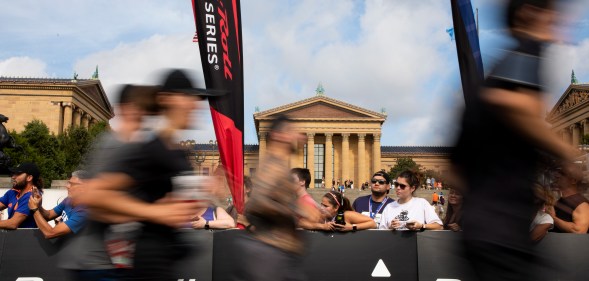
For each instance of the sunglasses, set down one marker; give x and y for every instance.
(381, 182)
(400, 185)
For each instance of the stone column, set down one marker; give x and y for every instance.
(575, 132)
(567, 135)
(61, 112)
(375, 154)
(262, 146)
(328, 160)
(311, 157)
(67, 115)
(85, 120)
(585, 124)
(345, 155)
(361, 159)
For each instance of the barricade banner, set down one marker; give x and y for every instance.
(560, 256)
(362, 255)
(26, 253)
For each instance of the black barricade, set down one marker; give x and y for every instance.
(561, 256)
(363, 255)
(386, 255)
(26, 253)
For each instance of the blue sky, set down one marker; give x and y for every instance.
(376, 54)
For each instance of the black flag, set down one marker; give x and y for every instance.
(467, 48)
(218, 27)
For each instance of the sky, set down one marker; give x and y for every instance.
(391, 55)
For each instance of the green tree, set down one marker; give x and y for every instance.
(43, 149)
(404, 163)
(56, 156)
(74, 144)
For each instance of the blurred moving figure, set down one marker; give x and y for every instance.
(542, 222)
(453, 218)
(137, 182)
(571, 211)
(498, 150)
(273, 250)
(89, 258)
(73, 216)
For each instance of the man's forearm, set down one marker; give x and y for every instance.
(42, 223)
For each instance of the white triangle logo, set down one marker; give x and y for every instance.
(380, 270)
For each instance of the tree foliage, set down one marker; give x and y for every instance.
(56, 156)
(403, 164)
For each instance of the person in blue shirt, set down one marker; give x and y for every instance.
(73, 216)
(372, 205)
(25, 177)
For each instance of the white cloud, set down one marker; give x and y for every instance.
(561, 60)
(142, 62)
(399, 51)
(23, 67)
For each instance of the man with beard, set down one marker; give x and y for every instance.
(372, 205)
(24, 177)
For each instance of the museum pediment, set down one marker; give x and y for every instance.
(576, 96)
(320, 107)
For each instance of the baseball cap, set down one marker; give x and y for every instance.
(177, 82)
(28, 168)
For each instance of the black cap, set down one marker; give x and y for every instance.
(28, 168)
(177, 82)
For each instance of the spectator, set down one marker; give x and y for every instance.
(212, 217)
(435, 198)
(310, 208)
(542, 222)
(454, 213)
(334, 202)
(571, 211)
(428, 183)
(240, 219)
(73, 216)
(25, 177)
(408, 212)
(372, 205)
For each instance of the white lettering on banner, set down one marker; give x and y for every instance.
(211, 35)
(29, 279)
(445, 279)
(188, 279)
(380, 270)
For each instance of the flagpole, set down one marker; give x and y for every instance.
(478, 22)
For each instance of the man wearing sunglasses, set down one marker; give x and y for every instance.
(372, 205)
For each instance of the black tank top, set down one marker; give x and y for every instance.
(565, 207)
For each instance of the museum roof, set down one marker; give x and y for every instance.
(417, 149)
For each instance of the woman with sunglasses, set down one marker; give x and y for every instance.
(408, 212)
(334, 202)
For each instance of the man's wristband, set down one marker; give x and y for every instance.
(207, 225)
(422, 227)
(354, 227)
(32, 211)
